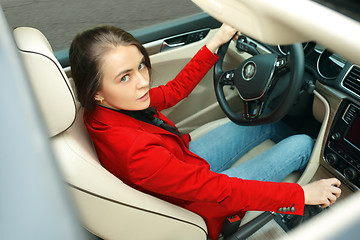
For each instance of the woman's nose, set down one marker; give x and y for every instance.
(142, 81)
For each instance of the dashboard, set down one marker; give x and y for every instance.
(325, 66)
(341, 151)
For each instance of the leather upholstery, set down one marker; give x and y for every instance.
(107, 207)
(49, 81)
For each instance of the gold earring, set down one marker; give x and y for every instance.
(100, 99)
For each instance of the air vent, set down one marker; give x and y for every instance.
(349, 113)
(352, 80)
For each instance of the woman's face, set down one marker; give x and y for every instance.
(126, 81)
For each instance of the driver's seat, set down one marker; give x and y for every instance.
(107, 207)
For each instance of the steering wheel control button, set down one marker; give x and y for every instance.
(242, 45)
(281, 62)
(281, 65)
(229, 75)
(227, 78)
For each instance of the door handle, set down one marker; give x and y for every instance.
(183, 39)
(165, 45)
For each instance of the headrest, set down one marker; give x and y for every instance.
(48, 79)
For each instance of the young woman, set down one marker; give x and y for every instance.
(143, 148)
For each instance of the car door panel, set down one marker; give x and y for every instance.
(201, 105)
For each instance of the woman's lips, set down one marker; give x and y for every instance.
(144, 97)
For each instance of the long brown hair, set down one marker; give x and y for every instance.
(85, 56)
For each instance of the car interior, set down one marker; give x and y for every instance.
(326, 106)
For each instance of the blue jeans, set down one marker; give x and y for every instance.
(223, 146)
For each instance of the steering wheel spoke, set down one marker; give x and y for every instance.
(227, 78)
(282, 66)
(253, 109)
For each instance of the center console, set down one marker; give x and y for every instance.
(342, 150)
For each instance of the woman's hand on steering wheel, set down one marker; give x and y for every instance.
(224, 34)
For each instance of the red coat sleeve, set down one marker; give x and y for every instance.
(151, 166)
(181, 86)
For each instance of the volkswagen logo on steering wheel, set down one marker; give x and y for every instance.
(248, 71)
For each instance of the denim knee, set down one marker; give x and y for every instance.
(303, 141)
(303, 145)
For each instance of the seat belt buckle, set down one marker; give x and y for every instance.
(231, 225)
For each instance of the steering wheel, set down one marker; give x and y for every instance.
(255, 80)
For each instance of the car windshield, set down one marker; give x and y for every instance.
(60, 20)
(350, 8)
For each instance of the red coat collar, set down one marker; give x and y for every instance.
(111, 117)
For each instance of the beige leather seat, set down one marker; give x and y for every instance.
(107, 207)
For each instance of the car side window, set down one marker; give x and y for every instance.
(60, 20)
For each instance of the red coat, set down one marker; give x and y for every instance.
(158, 162)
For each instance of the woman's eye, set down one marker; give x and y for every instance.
(141, 66)
(125, 78)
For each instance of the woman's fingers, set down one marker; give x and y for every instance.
(332, 196)
(336, 190)
(334, 182)
(324, 192)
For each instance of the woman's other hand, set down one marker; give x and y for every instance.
(323, 192)
(223, 35)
